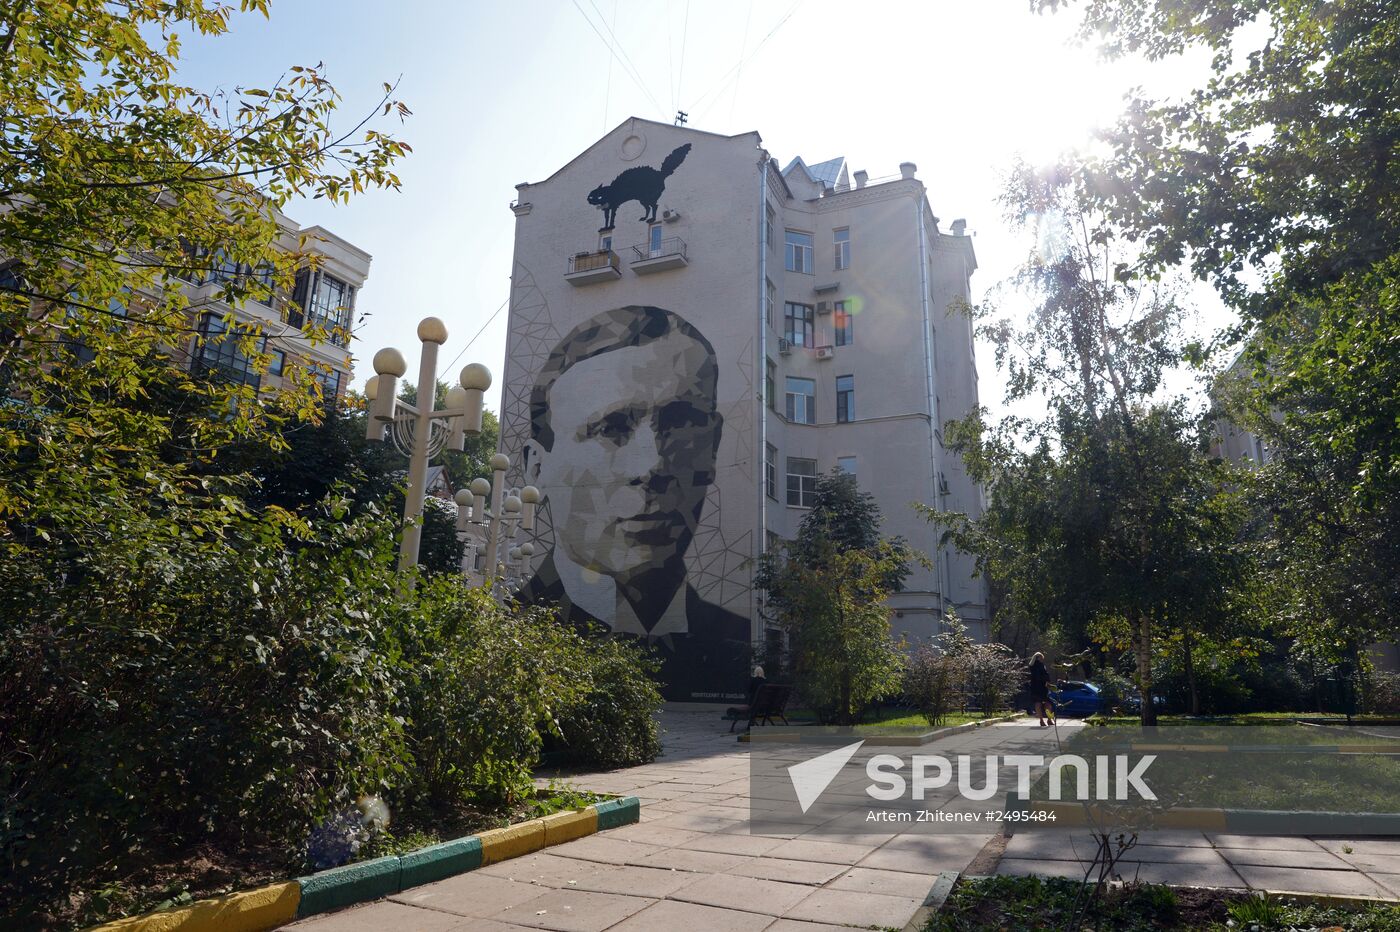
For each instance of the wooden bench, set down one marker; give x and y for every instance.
(770, 700)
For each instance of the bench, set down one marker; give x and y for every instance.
(770, 700)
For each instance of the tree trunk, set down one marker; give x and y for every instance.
(1186, 643)
(1142, 649)
(847, 717)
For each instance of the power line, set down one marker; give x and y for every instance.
(685, 35)
(725, 78)
(607, 94)
(619, 54)
(478, 333)
(739, 67)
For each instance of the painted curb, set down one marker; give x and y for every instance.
(246, 911)
(271, 906)
(933, 902)
(875, 737)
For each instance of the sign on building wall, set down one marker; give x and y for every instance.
(630, 405)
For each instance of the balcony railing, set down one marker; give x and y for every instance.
(585, 268)
(668, 254)
(592, 261)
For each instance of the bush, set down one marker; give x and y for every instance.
(478, 681)
(613, 722)
(993, 676)
(935, 675)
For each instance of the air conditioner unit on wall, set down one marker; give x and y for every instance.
(669, 215)
(784, 347)
(823, 307)
(826, 352)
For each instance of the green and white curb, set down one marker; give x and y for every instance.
(277, 904)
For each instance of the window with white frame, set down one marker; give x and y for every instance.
(798, 255)
(846, 464)
(654, 236)
(801, 482)
(770, 470)
(770, 384)
(770, 302)
(769, 216)
(801, 400)
(843, 248)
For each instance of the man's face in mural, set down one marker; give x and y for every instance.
(635, 435)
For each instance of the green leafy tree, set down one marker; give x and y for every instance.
(1277, 179)
(1107, 506)
(827, 591)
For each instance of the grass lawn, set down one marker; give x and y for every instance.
(902, 718)
(1248, 718)
(1036, 903)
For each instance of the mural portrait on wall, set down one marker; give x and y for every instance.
(624, 433)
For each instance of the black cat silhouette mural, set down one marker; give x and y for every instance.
(642, 184)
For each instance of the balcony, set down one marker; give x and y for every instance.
(669, 254)
(587, 268)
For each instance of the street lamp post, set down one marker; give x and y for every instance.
(492, 526)
(422, 431)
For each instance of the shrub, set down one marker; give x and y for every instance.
(935, 675)
(613, 723)
(993, 676)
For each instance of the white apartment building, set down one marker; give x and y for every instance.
(695, 335)
(324, 296)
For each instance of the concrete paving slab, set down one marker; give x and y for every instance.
(1342, 883)
(799, 925)
(804, 872)
(748, 845)
(607, 850)
(475, 894)
(1316, 859)
(848, 907)
(925, 853)
(886, 883)
(1186, 875)
(680, 859)
(1364, 846)
(1263, 842)
(541, 868)
(749, 894)
(636, 881)
(809, 848)
(574, 911)
(653, 833)
(385, 914)
(692, 917)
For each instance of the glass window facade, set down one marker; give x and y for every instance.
(770, 470)
(846, 464)
(218, 352)
(770, 384)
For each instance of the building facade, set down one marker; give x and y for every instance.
(322, 302)
(695, 335)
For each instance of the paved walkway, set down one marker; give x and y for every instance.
(691, 863)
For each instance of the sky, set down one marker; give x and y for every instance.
(508, 92)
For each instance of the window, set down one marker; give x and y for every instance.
(770, 470)
(323, 301)
(799, 252)
(801, 482)
(116, 310)
(846, 464)
(768, 217)
(278, 364)
(772, 301)
(938, 416)
(845, 331)
(218, 353)
(330, 384)
(605, 242)
(845, 398)
(843, 248)
(799, 324)
(654, 240)
(771, 541)
(801, 400)
(770, 384)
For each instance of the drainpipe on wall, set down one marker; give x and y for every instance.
(760, 370)
(929, 391)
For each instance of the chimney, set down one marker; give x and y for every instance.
(959, 227)
(861, 178)
(907, 169)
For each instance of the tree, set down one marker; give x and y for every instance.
(1106, 507)
(1278, 181)
(827, 590)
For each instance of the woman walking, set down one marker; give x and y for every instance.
(1040, 688)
